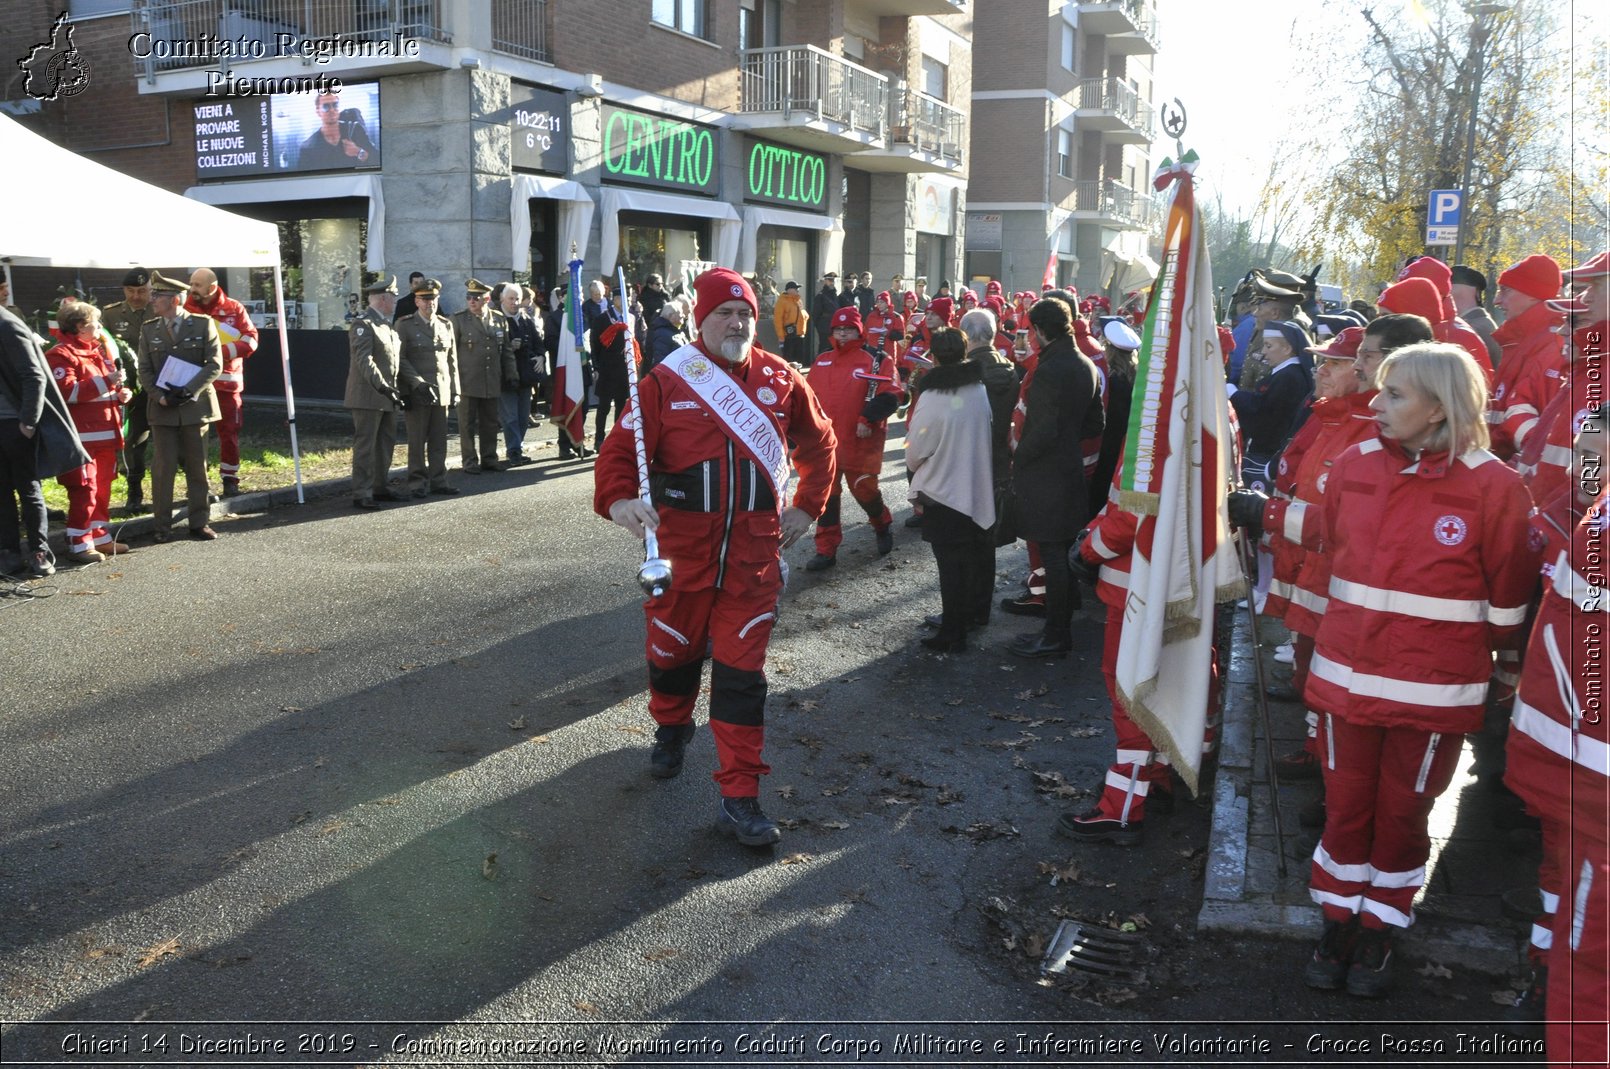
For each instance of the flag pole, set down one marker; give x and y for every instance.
(655, 574)
(1262, 699)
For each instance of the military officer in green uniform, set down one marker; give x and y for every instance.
(372, 393)
(180, 403)
(124, 320)
(427, 375)
(485, 364)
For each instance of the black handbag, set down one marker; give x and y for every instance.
(1004, 532)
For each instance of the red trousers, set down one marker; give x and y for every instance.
(230, 417)
(1380, 785)
(1578, 990)
(864, 488)
(687, 627)
(89, 496)
(1302, 655)
(1137, 765)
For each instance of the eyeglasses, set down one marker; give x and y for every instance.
(330, 105)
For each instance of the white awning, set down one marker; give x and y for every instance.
(308, 187)
(575, 215)
(724, 226)
(756, 217)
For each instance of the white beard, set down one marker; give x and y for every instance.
(735, 349)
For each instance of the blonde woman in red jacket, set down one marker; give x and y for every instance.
(92, 385)
(1431, 573)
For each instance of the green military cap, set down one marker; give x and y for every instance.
(379, 282)
(476, 288)
(427, 287)
(161, 283)
(138, 276)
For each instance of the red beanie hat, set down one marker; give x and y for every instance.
(1414, 296)
(992, 286)
(846, 317)
(1432, 270)
(1536, 276)
(969, 297)
(994, 303)
(716, 287)
(883, 295)
(941, 307)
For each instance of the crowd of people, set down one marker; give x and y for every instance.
(1426, 481)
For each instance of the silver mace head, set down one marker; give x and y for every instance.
(655, 576)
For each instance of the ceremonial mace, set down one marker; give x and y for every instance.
(655, 574)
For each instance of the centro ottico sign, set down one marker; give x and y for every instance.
(778, 174)
(653, 150)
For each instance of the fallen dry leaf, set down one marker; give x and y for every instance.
(1067, 872)
(631, 729)
(153, 954)
(517, 724)
(539, 740)
(833, 825)
(1435, 968)
(585, 1007)
(785, 792)
(489, 867)
(660, 954)
(798, 859)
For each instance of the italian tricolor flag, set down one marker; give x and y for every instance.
(1177, 469)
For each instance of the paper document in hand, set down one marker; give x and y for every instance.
(177, 374)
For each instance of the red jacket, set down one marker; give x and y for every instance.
(851, 400)
(885, 329)
(1545, 461)
(1528, 375)
(1431, 572)
(232, 319)
(1112, 546)
(734, 545)
(1340, 423)
(83, 373)
(1559, 748)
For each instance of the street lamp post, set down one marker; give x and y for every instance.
(1478, 31)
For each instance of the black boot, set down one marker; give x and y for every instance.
(742, 818)
(1047, 643)
(670, 740)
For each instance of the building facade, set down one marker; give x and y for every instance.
(1062, 121)
(487, 138)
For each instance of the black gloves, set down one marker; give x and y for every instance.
(393, 396)
(1081, 568)
(425, 393)
(512, 382)
(1246, 509)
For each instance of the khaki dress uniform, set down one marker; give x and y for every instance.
(124, 323)
(179, 433)
(485, 363)
(372, 396)
(427, 371)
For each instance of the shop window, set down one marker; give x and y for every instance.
(1064, 153)
(323, 264)
(933, 78)
(689, 16)
(653, 249)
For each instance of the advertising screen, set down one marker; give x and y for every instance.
(288, 133)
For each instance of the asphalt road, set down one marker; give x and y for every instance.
(343, 768)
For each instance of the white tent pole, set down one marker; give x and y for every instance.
(285, 369)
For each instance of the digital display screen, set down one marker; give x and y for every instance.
(288, 133)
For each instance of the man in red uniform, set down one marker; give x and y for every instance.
(238, 336)
(859, 394)
(718, 416)
(885, 328)
(1544, 461)
(1529, 373)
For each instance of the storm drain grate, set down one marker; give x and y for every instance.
(1091, 949)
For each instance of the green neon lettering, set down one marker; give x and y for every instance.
(612, 161)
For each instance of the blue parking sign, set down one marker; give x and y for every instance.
(1443, 209)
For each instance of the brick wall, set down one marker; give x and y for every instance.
(614, 38)
(1009, 141)
(1008, 37)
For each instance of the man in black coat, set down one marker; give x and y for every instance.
(37, 440)
(865, 295)
(823, 305)
(1061, 403)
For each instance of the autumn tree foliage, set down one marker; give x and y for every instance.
(1417, 72)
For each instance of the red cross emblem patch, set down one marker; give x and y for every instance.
(1450, 530)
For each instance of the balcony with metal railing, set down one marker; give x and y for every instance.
(1112, 106)
(1112, 204)
(909, 8)
(926, 135)
(313, 36)
(520, 28)
(803, 96)
(1129, 25)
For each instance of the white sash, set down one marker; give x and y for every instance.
(750, 425)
